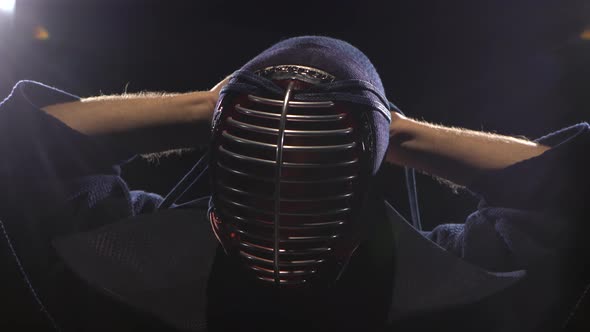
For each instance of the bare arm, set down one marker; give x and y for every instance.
(457, 155)
(143, 123)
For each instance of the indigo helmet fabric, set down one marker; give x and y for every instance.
(356, 79)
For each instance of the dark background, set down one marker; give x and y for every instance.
(519, 67)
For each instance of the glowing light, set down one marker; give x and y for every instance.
(585, 35)
(7, 6)
(40, 33)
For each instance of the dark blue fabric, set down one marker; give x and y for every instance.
(356, 79)
(55, 181)
(531, 211)
(40, 147)
(555, 182)
(319, 52)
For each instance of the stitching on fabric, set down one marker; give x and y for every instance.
(26, 278)
(576, 307)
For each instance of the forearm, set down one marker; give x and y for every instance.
(142, 123)
(454, 154)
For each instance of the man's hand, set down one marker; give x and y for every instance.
(217, 88)
(455, 154)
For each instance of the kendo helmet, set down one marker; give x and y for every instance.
(297, 137)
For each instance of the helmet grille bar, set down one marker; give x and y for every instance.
(299, 214)
(285, 164)
(291, 104)
(229, 188)
(290, 117)
(267, 130)
(278, 175)
(288, 147)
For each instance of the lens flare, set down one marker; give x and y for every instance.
(40, 33)
(7, 6)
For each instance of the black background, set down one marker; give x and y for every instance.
(515, 67)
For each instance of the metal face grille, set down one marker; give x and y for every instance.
(284, 178)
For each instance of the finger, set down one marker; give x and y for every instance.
(217, 88)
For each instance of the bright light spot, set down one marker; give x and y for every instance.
(40, 33)
(7, 6)
(585, 34)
